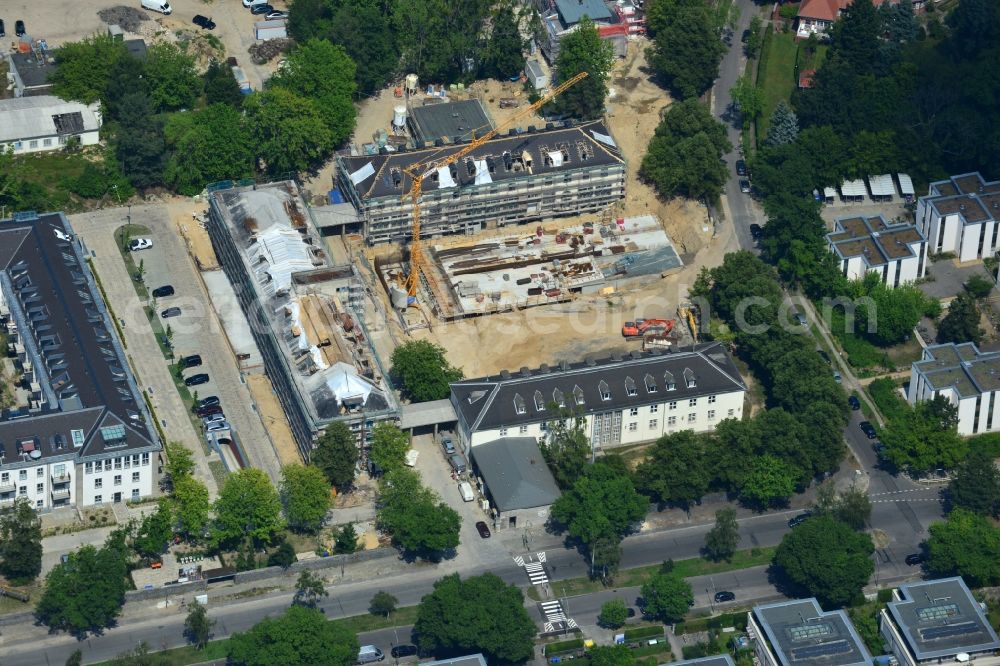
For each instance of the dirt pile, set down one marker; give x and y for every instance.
(268, 50)
(129, 18)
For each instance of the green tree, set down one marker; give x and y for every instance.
(248, 507)
(978, 286)
(748, 98)
(347, 539)
(20, 542)
(180, 461)
(382, 603)
(284, 556)
(667, 597)
(966, 545)
(676, 470)
(783, 128)
(975, 485)
(85, 594)
(602, 503)
(926, 439)
(769, 482)
(854, 508)
(207, 146)
(504, 49)
(155, 532)
(755, 38)
(683, 157)
(92, 183)
(686, 47)
(305, 496)
(583, 50)
(437, 41)
(300, 637)
(75, 658)
(172, 78)
(496, 625)
(139, 142)
(566, 447)
(389, 446)
(198, 626)
(610, 655)
(892, 313)
(220, 85)
(961, 323)
(722, 540)
(323, 73)
(613, 614)
(126, 77)
(364, 29)
(309, 589)
(85, 67)
(336, 453)
(828, 559)
(423, 371)
(191, 503)
(289, 130)
(425, 527)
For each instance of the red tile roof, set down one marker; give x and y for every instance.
(826, 10)
(806, 78)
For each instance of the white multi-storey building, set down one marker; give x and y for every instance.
(627, 400)
(960, 215)
(896, 253)
(969, 378)
(79, 433)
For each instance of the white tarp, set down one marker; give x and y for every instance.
(317, 357)
(302, 342)
(482, 173)
(345, 384)
(853, 188)
(556, 157)
(881, 185)
(604, 138)
(905, 184)
(444, 178)
(830, 192)
(284, 253)
(362, 173)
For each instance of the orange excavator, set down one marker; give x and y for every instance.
(641, 327)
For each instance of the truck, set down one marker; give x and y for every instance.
(640, 327)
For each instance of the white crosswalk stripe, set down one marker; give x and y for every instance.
(518, 560)
(541, 556)
(571, 623)
(549, 628)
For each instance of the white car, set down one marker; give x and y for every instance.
(251, 3)
(215, 427)
(140, 244)
(275, 16)
(214, 418)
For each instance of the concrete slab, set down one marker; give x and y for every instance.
(234, 322)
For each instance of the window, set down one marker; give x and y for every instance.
(128, 461)
(578, 395)
(99, 466)
(5, 477)
(632, 427)
(46, 142)
(88, 468)
(650, 384)
(519, 406)
(23, 490)
(98, 482)
(118, 463)
(135, 495)
(653, 409)
(33, 144)
(630, 387)
(604, 390)
(691, 417)
(539, 401)
(634, 411)
(59, 470)
(693, 402)
(671, 420)
(39, 472)
(145, 458)
(689, 380)
(135, 477)
(503, 432)
(118, 479)
(711, 399)
(22, 475)
(39, 504)
(543, 426)
(135, 460)
(672, 405)
(98, 499)
(730, 413)
(711, 415)
(558, 398)
(668, 380)
(522, 430)
(40, 488)
(654, 423)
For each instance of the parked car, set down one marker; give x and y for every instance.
(369, 653)
(208, 401)
(913, 559)
(799, 318)
(723, 596)
(404, 650)
(261, 9)
(192, 361)
(741, 168)
(171, 312)
(853, 402)
(868, 429)
(449, 447)
(756, 231)
(217, 426)
(165, 290)
(251, 3)
(208, 411)
(214, 418)
(799, 519)
(140, 244)
(836, 376)
(194, 380)
(457, 463)
(275, 16)
(744, 186)
(19, 28)
(203, 22)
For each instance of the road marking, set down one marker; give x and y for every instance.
(904, 500)
(518, 560)
(540, 556)
(898, 492)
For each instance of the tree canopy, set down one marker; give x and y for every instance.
(966, 545)
(288, 130)
(961, 323)
(207, 146)
(300, 637)
(423, 371)
(172, 80)
(687, 48)
(926, 438)
(336, 454)
(305, 497)
(603, 503)
(828, 559)
(975, 485)
(496, 624)
(191, 506)
(684, 155)
(389, 446)
(676, 470)
(85, 67)
(667, 597)
(722, 540)
(415, 516)
(247, 507)
(566, 447)
(20, 541)
(155, 532)
(583, 50)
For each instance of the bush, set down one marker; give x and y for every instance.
(92, 183)
(978, 286)
(789, 12)
(564, 646)
(990, 442)
(883, 392)
(643, 632)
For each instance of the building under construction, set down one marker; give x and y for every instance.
(523, 176)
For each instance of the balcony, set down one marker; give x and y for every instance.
(7, 499)
(60, 494)
(7, 487)
(60, 478)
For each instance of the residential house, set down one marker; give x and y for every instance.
(960, 215)
(37, 124)
(969, 378)
(897, 253)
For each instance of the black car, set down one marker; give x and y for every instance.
(483, 529)
(261, 9)
(19, 29)
(723, 596)
(868, 429)
(192, 361)
(799, 519)
(405, 650)
(853, 402)
(756, 231)
(194, 380)
(202, 412)
(744, 186)
(165, 290)
(209, 401)
(823, 355)
(203, 22)
(171, 312)
(741, 168)
(913, 559)
(3, 29)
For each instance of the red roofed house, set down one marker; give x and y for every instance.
(816, 16)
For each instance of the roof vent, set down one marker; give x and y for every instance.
(591, 362)
(525, 372)
(543, 368)
(636, 353)
(616, 357)
(505, 374)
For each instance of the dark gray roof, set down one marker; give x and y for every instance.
(489, 402)
(802, 634)
(961, 367)
(70, 339)
(468, 660)
(578, 143)
(714, 660)
(571, 11)
(968, 195)
(515, 473)
(940, 618)
(456, 121)
(33, 71)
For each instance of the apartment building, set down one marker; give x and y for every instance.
(800, 633)
(624, 400)
(75, 430)
(969, 378)
(523, 176)
(960, 215)
(897, 253)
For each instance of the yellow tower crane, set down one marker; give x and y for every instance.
(421, 169)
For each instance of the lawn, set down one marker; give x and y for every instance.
(52, 171)
(696, 566)
(776, 74)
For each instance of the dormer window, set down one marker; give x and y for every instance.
(539, 401)
(605, 391)
(558, 398)
(689, 378)
(519, 406)
(650, 384)
(578, 395)
(668, 380)
(630, 387)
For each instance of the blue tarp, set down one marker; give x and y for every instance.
(334, 196)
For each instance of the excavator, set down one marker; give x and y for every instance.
(641, 327)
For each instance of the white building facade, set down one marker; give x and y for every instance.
(629, 400)
(960, 215)
(969, 378)
(896, 253)
(38, 124)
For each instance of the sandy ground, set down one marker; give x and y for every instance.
(186, 214)
(273, 417)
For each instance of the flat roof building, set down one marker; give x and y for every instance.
(521, 177)
(969, 378)
(961, 215)
(78, 432)
(897, 253)
(517, 482)
(937, 619)
(303, 311)
(714, 660)
(800, 633)
(453, 122)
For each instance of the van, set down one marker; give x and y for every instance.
(368, 654)
(457, 463)
(465, 488)
(161, 6)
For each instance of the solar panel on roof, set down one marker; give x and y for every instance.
(942, 612)
(807, 631)
(821, 650)
(949, 630)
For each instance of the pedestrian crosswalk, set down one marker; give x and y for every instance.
(555, 617)
(518, 560)
(536, 573)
